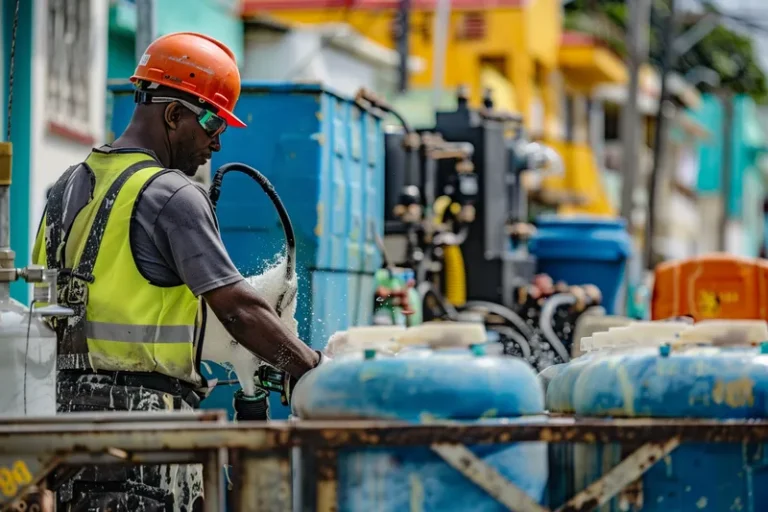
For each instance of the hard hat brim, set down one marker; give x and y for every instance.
(231, 119)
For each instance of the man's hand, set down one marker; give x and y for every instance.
(254, 324)
(289, 383)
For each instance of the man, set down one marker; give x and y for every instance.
(137, 245)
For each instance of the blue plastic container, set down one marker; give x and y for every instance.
(583, 250)
(325, 157)
(699, 383)
(419, 386)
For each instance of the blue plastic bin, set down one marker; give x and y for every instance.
(583, 250)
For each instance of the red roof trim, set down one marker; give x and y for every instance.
(571, 38)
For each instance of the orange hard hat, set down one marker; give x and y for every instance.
(196, 64)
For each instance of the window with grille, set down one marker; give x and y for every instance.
(69, 55)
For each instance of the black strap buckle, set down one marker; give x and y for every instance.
(141, 97)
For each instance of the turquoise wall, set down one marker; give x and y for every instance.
(710, 115)
(748, 143)
(217, 18)
(21, 131)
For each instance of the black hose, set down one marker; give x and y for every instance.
(290, 238)
(252, 408)
(506, 313)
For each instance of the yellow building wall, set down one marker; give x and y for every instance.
(543, 31)
(515, 39)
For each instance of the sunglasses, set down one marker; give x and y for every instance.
(210, 122)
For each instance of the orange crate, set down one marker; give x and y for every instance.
(711, 286)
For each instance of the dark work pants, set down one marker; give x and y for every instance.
(167, 488)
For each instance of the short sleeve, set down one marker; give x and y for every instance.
(186, 235)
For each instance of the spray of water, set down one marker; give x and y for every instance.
(221, 348)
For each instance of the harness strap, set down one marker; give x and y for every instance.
(54, 221)
(96, 235)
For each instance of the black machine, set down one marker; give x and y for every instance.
(475, 161)
(475, 157)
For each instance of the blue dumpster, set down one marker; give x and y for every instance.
(583, 250)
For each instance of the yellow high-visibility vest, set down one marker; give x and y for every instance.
(129, 323)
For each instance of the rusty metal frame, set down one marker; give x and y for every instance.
(261, 452)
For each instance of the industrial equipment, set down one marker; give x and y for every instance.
(457, 216)
(495, 248)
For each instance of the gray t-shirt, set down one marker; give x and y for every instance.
(174, 236)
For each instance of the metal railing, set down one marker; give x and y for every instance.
(260, 453)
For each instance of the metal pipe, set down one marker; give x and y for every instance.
(213, 481)
(5, 217)
(145, 26)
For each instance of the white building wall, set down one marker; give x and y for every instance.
(53, 151)
(301, 55)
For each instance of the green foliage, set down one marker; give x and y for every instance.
(729, 53)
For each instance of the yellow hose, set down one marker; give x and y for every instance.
(440, 205)
(453, 259)
(455, 276)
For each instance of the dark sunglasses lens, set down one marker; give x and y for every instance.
(212, 124)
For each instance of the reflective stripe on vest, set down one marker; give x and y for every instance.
(140, 333)
(130, 324)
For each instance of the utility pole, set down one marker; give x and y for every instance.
(637, 53)
(660, 137)
(631, 129)
(145, 26)
(726, 100)
(403, 33)
(439, 46)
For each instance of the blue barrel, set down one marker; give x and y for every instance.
(548, 374)
(704, 383)
(324, 155)
(559, 391)
(419, 387)
(583, 250)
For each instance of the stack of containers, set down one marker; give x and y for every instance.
(419, 385)
(324, 155)
(726, 378)
(578, 465)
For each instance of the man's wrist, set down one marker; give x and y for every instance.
(323, 358)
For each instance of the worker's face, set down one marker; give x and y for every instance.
(191, 144)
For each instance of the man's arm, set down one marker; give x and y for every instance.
(186, 235)
(255, 325)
